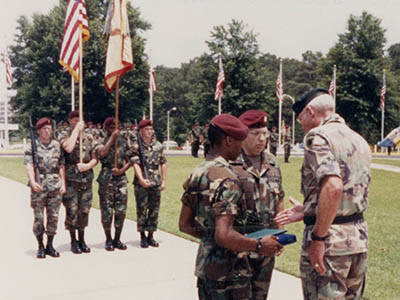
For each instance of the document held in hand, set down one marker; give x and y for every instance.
(283, 238)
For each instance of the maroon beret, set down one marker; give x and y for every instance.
(231, 125)
(108, 121)
(43, 121)
(254, 118)
(145, 123)
(73, 114)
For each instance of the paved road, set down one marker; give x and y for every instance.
(164, 273)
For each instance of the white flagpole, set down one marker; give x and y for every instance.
(151, 103)
(72, 93)
(280, 106)
(219, 105)
(334, 89)
(383, 110)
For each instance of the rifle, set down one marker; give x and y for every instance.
(142, 157)
(35, 157)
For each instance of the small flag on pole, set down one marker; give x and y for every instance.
(119, 52)
(332, 85)
(152, 81)
(7, 63)
(279, 86)
(383, 92)
(76, 23)
(220, 81)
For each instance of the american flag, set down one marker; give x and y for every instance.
(152, 81)
(332, 85)
(279, 86)
(220, 81)
(383, 92)
(7, 63)
(76, 22)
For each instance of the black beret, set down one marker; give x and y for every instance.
(254, 118)
(42, 122)
(73, 114)
(231, 125)
(145, 123)
(299, 105)
(108, 121)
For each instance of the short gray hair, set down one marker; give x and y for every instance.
(323, 103)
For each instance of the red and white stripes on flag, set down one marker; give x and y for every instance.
(152, 81)
(332, 85)
(76, 23)
(220, 81)
(383, 92)
(279, 86)
(7, 63)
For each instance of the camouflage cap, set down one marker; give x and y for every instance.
(231, 125)
(254, 118)
(42, 122)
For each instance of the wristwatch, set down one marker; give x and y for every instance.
(259, 245)
(315, 237)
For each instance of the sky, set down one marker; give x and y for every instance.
(285, 28)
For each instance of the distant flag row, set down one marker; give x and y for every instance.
(219, 91)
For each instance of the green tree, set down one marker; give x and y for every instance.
(43, 89)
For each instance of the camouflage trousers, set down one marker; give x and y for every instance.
(344, 279)
(77, 201)
(51, 201)
(113, 197)
(224, 290)
(262, 268)
(147, 207)
(195, 148)
(272, 149)
(286, 150)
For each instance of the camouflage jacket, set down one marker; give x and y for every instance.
(205, 137)
(108, 162)
(213, 189)
(273, 137)
(195, 132)
(262, 190)
(72, 159)
(155, 157)
(334, 149)
(50, 159)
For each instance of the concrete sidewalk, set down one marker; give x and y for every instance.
(154, 273)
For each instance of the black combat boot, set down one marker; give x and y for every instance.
(41, 253)
(82, 244)
(109, 246)
(50, 249)
(143, 240)
(117, 242)
(151, 241)
(74, 244)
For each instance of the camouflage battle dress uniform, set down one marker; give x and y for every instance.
(335, 149)
(148, 199)
(113, 191)
(273, 142)
(263, 193)
(286, 147)
(206, 142)
(50, 159)
(195, 133)
(213, 189)
(78, 198)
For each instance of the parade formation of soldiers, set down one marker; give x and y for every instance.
(236, 191)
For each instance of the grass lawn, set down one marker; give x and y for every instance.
(387, 161)
(382, 215)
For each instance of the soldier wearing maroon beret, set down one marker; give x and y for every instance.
(211, 204)
(261, 180)
(47, 195)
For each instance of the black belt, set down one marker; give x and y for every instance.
(310, 220)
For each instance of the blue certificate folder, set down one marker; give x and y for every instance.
(283, 238)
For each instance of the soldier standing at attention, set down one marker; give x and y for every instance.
(113, 192)
(48, 195)
(78, 198)
(261, 180)
(335, 181)
(273, 141)
(194, 139)
(206, 141)
(148, 190)
(213, 210)
(287, 141)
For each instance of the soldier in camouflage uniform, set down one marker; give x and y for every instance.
(49, 193)
(273, 141)
(287, 140)
(335, 181)
(148, 190)
(113, 191)
(205, 140)
(261, 181)
(213, 210)
(194, 139)
(78, 198)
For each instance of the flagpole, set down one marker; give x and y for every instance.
(383, 108)
(80, 95)
(219, 105)
(280, 106)
(116, 121)
(72, 93)
(151, 103)
(334, 88)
